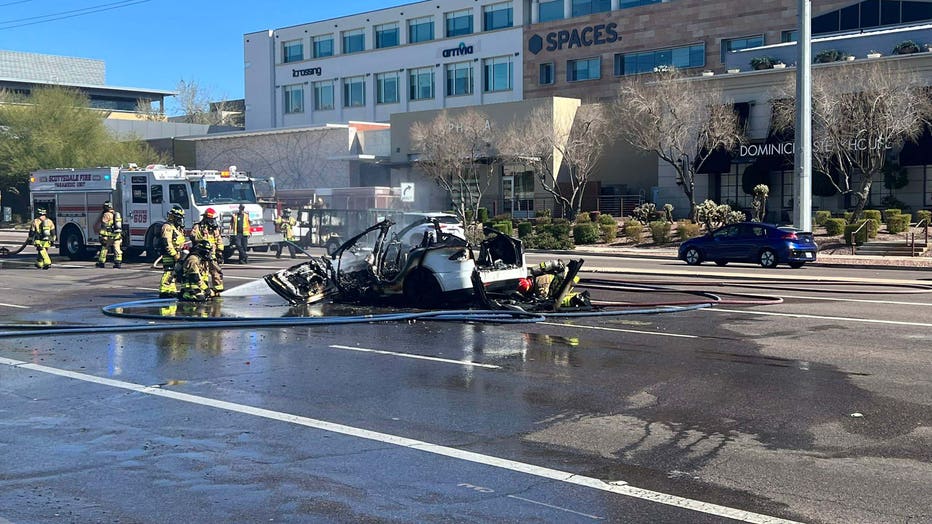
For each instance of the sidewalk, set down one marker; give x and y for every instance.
(823, 260)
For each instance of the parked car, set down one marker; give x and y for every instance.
(414, 225)
(765, 244)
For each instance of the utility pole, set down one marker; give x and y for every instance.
(802, 162)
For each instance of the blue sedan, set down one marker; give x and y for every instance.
(764, 244)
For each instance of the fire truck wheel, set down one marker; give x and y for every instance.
(72, 243)
(151, 235)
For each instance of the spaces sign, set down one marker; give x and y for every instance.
(598, 34)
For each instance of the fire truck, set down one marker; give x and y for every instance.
(74, 199)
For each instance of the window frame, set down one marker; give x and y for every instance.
(415, 76)
(727, 49)
(319, 89)
(291, 102)
(286, 57)
(451, 81)
(490, 15)
(490, 65)
(557, 6)
(452, 16)
(316, 42)
(574, 71)
(348, 37)
(380, 29)
(620, 59)
(414, 25)
(350, 84)
(552, 73)
(380, 89)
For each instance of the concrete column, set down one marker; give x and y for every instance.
(535, 11)
(616, 5)
(567, 9)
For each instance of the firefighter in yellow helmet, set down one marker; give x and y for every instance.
(209, 229)
(110, 228)
(286, 224)
(42, 233)
(170, 243)
(194, 270)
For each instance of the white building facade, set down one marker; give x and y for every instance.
(366, 67)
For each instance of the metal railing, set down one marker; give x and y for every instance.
(912, 236)
(619, 205)
(854, 237)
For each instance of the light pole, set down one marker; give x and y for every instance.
(802, 162)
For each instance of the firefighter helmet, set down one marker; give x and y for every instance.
(40, 211)
(108, 205)
(202, 248)
(176, 214)
(210, 213)
(286, 212)
(525, 285)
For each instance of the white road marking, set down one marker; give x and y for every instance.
(421, 357)
(427, 447)
(593, 517)
(820, 317)
(861, 300)
(14, 305)
(600, 328)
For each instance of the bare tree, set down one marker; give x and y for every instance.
(860, 112)
(193, 104)
(560, 147)
(683, 120)
(450, 149)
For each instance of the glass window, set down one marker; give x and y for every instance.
(387, 85)
(584, 69)
(459, 23)
(646, 61)
(870, 13)
(420, 29)
(354, 91)
(294, 99)
(422, 83)
(459, 79)
(354, 41)
(586, 7)
(551, 10)
(292, 51)
(497, 16)
(386, 35)
(915, 12)
(850, 17)
(789, 36)
(323, 95)
(155, 194)
(323, 46)
(625, 4)
(498, 73)
(889, 12)
(546, 73)
(734, 44)
(140, 194)
(178, 194)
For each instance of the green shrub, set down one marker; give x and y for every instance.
(503, 217)
(847, 215)
(873, 227)
(583, 218)
(821, 217)
(634, 231)
(871, 214)
(889, 213)
(595, 216)
(609, 231)
(851, 238)
(550, 236)
(835, 226)
(483, 215)
(504, 226)
(587, 233)
(525, 228)
(542, 220)
(924, 214)
(898, 223)
(660, 231)
(685, 230)
(607, 219)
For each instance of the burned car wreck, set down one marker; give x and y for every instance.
(378, 266)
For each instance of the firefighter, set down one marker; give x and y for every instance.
(208, 229)
(170, 244)
(110, 228)
(42, 233)
(239, 232)
(286, 224)
(193, 273)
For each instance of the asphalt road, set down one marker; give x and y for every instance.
(813, 409)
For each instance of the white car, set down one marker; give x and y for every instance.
(413, 236)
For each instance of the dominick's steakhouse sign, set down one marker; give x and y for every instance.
(787, 148)
(587, 36)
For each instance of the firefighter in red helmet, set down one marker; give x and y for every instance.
(209, 229)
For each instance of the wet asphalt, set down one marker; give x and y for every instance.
(801, 410)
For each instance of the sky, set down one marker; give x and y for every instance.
(155, 44)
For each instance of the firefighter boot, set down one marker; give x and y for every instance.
(100, 264)
(117, 264)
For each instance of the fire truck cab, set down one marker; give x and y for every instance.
(74, 199)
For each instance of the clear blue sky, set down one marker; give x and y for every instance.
(155, 44)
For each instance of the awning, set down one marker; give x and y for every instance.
(720, 159)
(918, 152)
